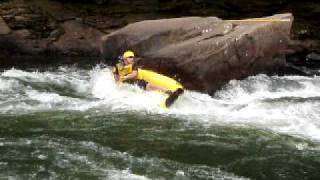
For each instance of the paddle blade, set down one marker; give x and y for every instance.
(172, 98)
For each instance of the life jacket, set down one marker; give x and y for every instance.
(122, 70)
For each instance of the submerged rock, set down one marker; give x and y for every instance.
(204, 53)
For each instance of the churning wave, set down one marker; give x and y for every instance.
(288, 104)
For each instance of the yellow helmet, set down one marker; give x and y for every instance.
(127, 54)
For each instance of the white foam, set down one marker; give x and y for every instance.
(125, 175)
(281, 108)
(72, 78)
(8, 85)
(23, 98)
(19, 73)
(255, 101)
(288, 104)
(123, 96)
(103, 85)
(44, 97)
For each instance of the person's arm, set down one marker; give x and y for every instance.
(132, 75)
(115, 74)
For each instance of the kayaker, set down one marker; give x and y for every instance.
(127, 71)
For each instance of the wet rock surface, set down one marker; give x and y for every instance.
(42, 32)
(204, 53)
(57, 32)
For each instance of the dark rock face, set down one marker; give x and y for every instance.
(4, 29)
(38, 28)
(204, 53)
(42, 31)
(306, 12)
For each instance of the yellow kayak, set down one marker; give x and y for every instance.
(159, 80)
(162, 81)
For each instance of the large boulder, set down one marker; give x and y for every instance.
(204, 53)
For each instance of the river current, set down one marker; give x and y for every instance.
(76, 123)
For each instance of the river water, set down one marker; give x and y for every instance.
(75, 123)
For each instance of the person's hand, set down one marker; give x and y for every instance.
(122, 78)
(116, 77)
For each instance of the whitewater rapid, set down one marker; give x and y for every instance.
(288, 105)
